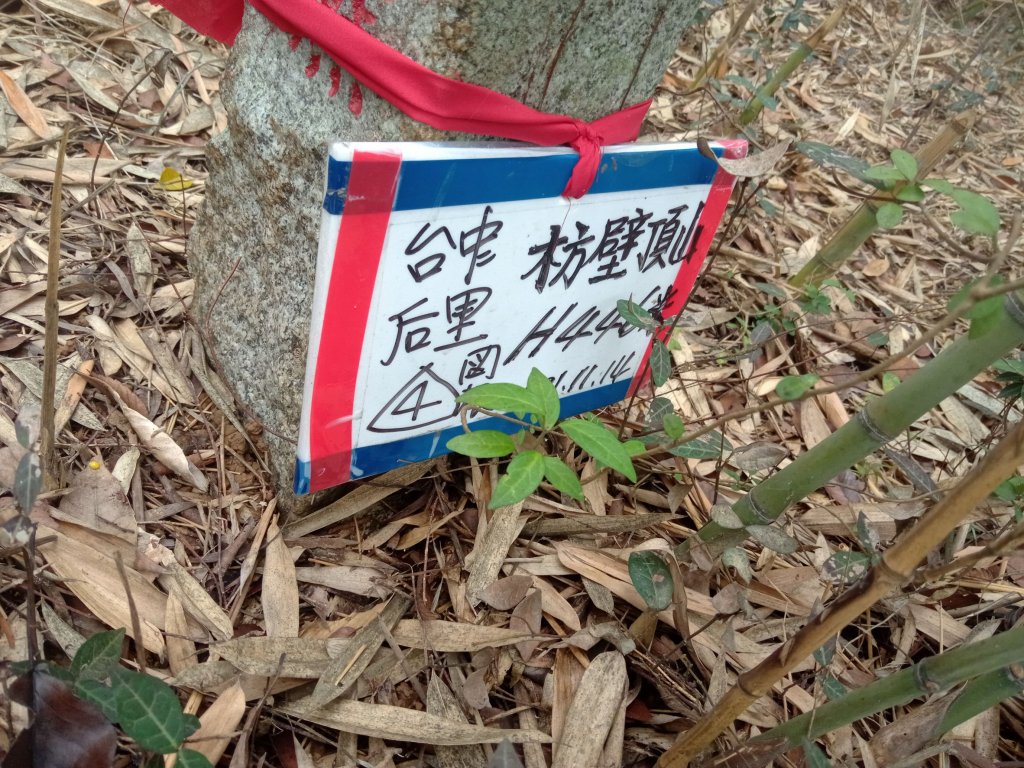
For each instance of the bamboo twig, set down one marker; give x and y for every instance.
(46, 422)
(862, 224)
(895, 568)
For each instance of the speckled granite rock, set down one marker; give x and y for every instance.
(253, 247)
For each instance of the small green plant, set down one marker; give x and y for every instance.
(146, 708)
(1011, 490)
(537, 408)
(1011, 375)
(898, 183)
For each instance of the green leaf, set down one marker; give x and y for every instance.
(28, 479)
(636, 315)
(984, 315)
(884, 173)
(656, 412)
(503, 398)
(661, 363)
(905, 163)
(866, 535)
(709, 446)
(889, 215)
(960, 296)
(601, 443)
(652, 578)
(189, 758)
(814, 756)
(560, 475)
(542, 388)
(890, 381)
(940, 185)
(794, 387)
(634, 447)
(911, 193)
(1010, 365)
(846, 567)
(826, 652)
(150, 713)
(824, 155)
(673, 426)
(832, 688)
(99, 695)
(736, 558)
(522, 477)
(773, 538)
(98, 655)
(978, 215)
(483, 444)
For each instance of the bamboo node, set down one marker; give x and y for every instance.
(762, 514)
(875, 432)
(1015, 307)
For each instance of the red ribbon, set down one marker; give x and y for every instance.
(421, 93)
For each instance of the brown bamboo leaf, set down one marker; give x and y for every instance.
(442, 702)
(571, 526)
(526, 618)
(120, 389)
(351, 656)
(95, 500)
(181, 650)
(369, 581)
(93, 577)
(72, 395)
(217, 725)
(387, 722)
(555, 605)
(453, 636)
(297, 657)
(760, 164)
(484, 562)
(592, 713)
(505, 594)
(77, 170)
(358, 500)
(280, 594)
(29, 113)
(197, 601)
(164, 449)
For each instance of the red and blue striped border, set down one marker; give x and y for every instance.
(366, 189)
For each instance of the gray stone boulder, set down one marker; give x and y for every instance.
(253, 247)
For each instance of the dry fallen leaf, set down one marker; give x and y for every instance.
(217, 724)
(163, 448)
(280, 594)
(24, 108)
(760, 164)
(388, 722)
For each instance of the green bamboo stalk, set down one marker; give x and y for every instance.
(987, 661)
(984, 692)
(881, 420)
(796, 58)
(862, 224)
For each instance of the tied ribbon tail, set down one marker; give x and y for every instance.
(421, 93)
(588, 145)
